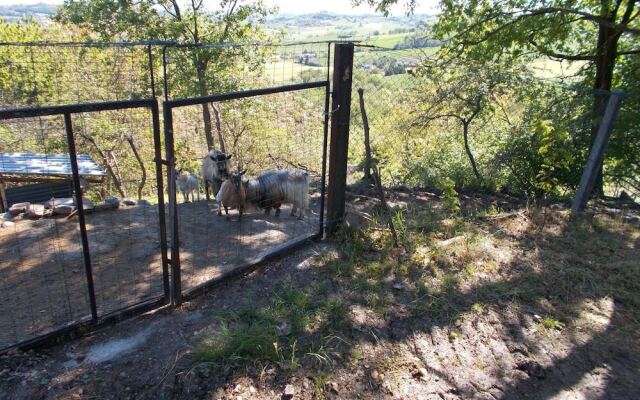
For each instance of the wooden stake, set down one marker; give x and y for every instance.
(385, 206)
(367, 143)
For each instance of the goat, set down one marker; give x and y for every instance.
(187, 183)
(214, 171)
(232, 194)
(271, 189)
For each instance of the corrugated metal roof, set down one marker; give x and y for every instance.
(46, 164)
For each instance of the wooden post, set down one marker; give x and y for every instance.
(367, 143)
(596, 155)
(4, 205)
(339, 144)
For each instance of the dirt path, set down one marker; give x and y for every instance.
(488, 335)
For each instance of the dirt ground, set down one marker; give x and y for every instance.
(42, 275)
(521, 313)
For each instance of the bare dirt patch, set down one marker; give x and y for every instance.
(42, 275)
(530, 305)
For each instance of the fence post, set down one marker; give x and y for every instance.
(596, 155)
(157, 146)
(176, 285)
(339, 144)
(71, 143)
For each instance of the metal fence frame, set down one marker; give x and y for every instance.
(172, 290)
(97, 320)
(167, 108)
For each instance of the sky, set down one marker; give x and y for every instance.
(297, 6)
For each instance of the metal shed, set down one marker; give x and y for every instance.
(54, 169)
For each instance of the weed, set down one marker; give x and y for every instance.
(550, 323)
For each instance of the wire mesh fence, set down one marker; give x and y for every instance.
(100, 91)
(41, 74)
(520, 130)
(262, 132)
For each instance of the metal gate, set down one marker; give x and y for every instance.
(58, 276)
(217, 257)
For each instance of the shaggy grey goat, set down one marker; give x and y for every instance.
(214, 170)
(271, 189)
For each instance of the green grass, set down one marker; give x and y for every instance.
(293, 326)
(388, 40)
(442, 283)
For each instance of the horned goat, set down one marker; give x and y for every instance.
(214, 171)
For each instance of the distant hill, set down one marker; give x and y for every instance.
(17, 11)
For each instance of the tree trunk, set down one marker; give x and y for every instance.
(465, 133)
(118, 175)
(107, 166)
(367, 144)
(217, 114)
(143, 179)
(606, 53)
(206, 114)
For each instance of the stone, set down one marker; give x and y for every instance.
(35, 211)
(19, 208)
(112, 201)
(7, 224)
(631, 219)
(63, 209)
(87, 204)
(143, 202)
(289, 392)
(129, 202)
(375, 375)
(63, 201)
(7, 216)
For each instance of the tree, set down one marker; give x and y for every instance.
(465, 92)
(184, 22)
(599, 33)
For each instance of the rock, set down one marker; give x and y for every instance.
(18, 208)
(7, 216)
(35, 211)
(87, 204)
(112, 201)
(334, 387)
(63, 201)
(375, 375)
(284, 329)
(289, 392)
(631, 219)
(63, 209)
(129, 202)
(253, 390)
(143, 202)
(7, 224)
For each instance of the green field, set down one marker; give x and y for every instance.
(387, 40)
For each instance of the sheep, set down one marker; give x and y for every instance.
(187, 183)
(274, 188)
(232, 194)
(214, 171)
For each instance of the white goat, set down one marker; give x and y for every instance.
(187, 183)
(274, 188)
